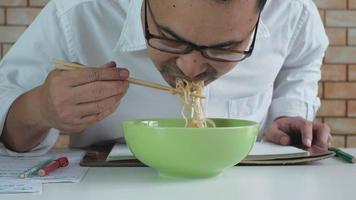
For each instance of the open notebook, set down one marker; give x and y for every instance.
(119, 155)
(270, 151)
(260, 151)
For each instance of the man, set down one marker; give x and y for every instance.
(260, 61)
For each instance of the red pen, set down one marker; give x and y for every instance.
(58, 163)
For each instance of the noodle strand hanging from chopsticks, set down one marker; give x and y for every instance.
(198, 119)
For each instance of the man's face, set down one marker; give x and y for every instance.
(204, 23)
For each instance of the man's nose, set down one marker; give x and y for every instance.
(191, 64)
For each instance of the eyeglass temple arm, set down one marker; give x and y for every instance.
(255, 35)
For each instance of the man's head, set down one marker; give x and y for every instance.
(209, 36)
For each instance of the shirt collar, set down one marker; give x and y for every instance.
(132, 36)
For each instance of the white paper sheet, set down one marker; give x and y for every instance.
(11, 167)
(120, 152)
(268, 151)
(20, 186)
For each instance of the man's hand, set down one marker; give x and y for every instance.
(298, 131)
(68, 100)
(73, 100)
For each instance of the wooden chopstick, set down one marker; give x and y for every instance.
(63, 65)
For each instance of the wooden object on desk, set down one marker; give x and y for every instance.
(97, 154)
(96, 157)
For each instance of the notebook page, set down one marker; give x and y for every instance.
(120, 152)
(267, 151)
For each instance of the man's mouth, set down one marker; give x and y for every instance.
(171, 79)
(170, 72)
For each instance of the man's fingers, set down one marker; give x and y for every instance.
(109, 106)
(310, 133)
(96, 118)
(276, 136)
(306, 130)
(91, 74)
(322, 136)
(98, 91)
(110, 64)
(97, 107)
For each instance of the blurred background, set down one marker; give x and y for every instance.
(337, 89)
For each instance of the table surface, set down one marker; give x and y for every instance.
(327, 179)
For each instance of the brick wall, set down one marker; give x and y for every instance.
(337, 87)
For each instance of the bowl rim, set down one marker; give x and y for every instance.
(250, 124)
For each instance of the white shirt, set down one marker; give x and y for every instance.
(279, 79)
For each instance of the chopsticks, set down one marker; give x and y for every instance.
(63, 65)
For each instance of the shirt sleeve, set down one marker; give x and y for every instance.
(296, 85)
(27, 65)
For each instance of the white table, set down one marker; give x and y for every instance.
(328, 179)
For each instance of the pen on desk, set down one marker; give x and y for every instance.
(55, 164)
(342, 154)
(33, 170)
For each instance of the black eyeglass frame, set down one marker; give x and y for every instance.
(191, 46)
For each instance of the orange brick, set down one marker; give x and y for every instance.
(352, 4)
(332, 108)
(9, 3)
(352, 36)
(342, 90)
(341, 55)
(351, 108)
(333, 72)
(340, 18)
(6, 48)
(334, 4)
(62, 142)
(320, 90)
(342, 125)
(352, 72)
(351, 141)
(21, 16)
(337, 36)
(338, 141)
(38, 3)
(9, 34)
(2, 16)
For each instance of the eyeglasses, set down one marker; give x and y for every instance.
(184, 47)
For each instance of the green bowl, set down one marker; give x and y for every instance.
(167, 146)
